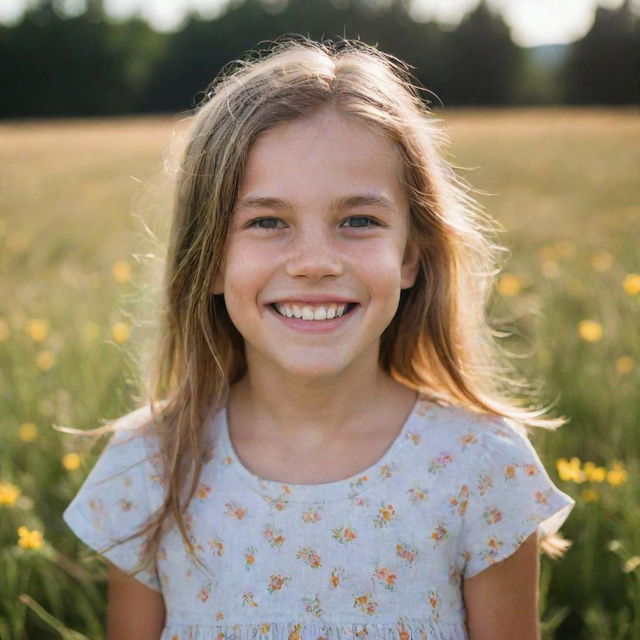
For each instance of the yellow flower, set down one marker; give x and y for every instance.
(569, 470)
(29, 539)
(45, 360)
(590, 495)
(631, 284)
(9, 494)
(121, 271)
(593, 473)
(617, 475)
(71, 461)
(602, 261)
(38, 329)
(590, 330)
(509, 285)
(625, 364)
(27, 432)
(631, 564)
(91, 330)
(4, 329)
(120, 331)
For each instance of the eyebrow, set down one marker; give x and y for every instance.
(351, 201)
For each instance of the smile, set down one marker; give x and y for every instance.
(314, 312)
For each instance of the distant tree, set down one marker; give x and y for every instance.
(604, 66)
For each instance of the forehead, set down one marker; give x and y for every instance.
(322, 155)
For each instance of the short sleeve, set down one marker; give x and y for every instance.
(510, 497)
(115, 500)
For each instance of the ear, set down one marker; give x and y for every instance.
(410, 265)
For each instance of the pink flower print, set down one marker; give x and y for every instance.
(313, 606)
(440, 462)
(467, 440)
(311, 516)
(414, 437)
(273, 536)
(203, 491)
(492, 516)
(510, 471)
(359, 483)
(126, 505)
(440, 533)
(542, 497)
(361, 633)
(279, 504)
(386, 577)
(407, 552)
(493, 547)
(459, 503)
(531, 469)
(97, 507)
(403, 633)
(385, 515)
(235, 510)
(485, 482)
(250, 557)
(126, 481)
(344, 535)
(188, 521)
(385, 471)
(417, 495)
(365, 603)
(264, 628)
(247, 598)
(276, 582)
(216, 545)
(433, 599)
(336, 577)
(454, 574)
(309, 557)
(227, 461)
(204, 592)
(219, 616)
(286, 489)
(295, 632)
(360, 501)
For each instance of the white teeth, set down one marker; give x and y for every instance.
(311, 312)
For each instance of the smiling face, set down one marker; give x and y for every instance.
(321, 221)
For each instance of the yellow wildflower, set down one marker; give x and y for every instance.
(27, 432)
(120, 331)
(509, 285)
(9, 494)
(38, 329)
(570, 471)
(4, 329)
(602, 261)
(29, 539)
(121, 271)
(45, 360)
(70, 461)
(590, 330)
(617, 475)
(631, 564)
(631, 284)
(593, 473)
(590, 495)
(624, 364)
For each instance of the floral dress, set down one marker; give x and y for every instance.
(379, 555)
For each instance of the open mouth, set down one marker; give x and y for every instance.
(314, 313)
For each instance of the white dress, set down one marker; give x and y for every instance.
(381, 554)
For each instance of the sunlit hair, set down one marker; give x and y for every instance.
(439, 342)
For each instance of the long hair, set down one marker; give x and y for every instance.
(440, 340)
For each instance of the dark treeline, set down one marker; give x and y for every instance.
(53, 64)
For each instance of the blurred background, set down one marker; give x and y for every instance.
(540, 102)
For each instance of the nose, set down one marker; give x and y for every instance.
(313, 255)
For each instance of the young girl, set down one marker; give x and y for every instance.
(329, 450)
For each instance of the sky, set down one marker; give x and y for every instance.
(532, 22)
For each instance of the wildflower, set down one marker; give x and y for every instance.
(29, 539)
(602, 261)
(4, 329)
(569, 470)
(509, 285)
(631, 284)
(617, 475)
(9, 494)
(120, 332)
(71, 461)
(45, 360)
(38, 329)
(27, 432)
(590, 330)
(590, 495)
(631, 564)
(624, 364)
(614, 545)
(121, 271)
(593, 473)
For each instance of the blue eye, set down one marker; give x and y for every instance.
(364, 219)
(256, 223)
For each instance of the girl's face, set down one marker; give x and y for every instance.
(321, 220)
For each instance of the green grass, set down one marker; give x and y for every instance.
(565, 187)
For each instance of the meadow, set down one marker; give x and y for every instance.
(74, 321)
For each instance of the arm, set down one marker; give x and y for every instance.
(502, 601)
(134, 611)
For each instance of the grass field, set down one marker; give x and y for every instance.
(73, 257)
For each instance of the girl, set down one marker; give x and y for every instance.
(328, 450)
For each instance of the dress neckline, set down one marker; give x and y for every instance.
(348, 488)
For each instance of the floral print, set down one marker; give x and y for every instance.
(383, 554)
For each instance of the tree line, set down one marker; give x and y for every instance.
(55, 64)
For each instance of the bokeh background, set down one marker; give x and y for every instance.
(540, 101)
